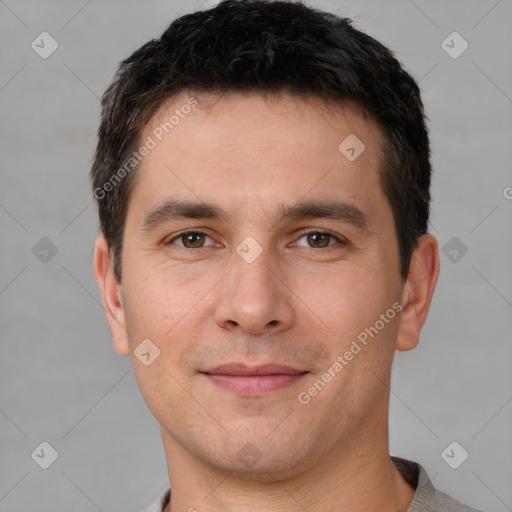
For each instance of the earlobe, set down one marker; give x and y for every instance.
(111, 294)
(418, 291)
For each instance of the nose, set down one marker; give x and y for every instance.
(254, 298)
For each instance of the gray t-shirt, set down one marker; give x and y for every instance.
(426, 498)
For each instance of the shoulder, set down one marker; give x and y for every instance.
(427, 498)
(445, 503)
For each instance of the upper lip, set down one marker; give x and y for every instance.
(243, 369)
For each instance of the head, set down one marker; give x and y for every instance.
(293, 149)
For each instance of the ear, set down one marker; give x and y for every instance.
(418, 291)
(110, 289)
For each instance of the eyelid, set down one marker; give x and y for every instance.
(339, 238)
(177, 236)
(304, 232)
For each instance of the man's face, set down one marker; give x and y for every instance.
(263, 284)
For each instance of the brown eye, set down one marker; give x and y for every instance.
(190, 240)
(193, 240)
(318, 240)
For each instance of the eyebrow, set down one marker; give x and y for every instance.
(179, 208)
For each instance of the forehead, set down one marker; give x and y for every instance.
(245, 148)
(252, 117)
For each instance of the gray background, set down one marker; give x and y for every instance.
(60, 379)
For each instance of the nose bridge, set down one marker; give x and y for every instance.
(251, 267)
(253, 297)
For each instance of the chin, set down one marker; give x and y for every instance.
(261, 457)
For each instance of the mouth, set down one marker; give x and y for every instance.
(254, 380)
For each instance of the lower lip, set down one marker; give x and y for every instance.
(256, 384)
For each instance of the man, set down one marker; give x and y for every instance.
(263, 183)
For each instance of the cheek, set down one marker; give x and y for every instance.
(169, 308)
(163, 390)
(346, 305)
(158, 299)
(359, 339)
(345, 298)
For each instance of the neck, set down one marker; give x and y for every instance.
(358, 475)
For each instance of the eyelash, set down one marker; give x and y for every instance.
(338, 239)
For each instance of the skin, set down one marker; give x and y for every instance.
(300, 303)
